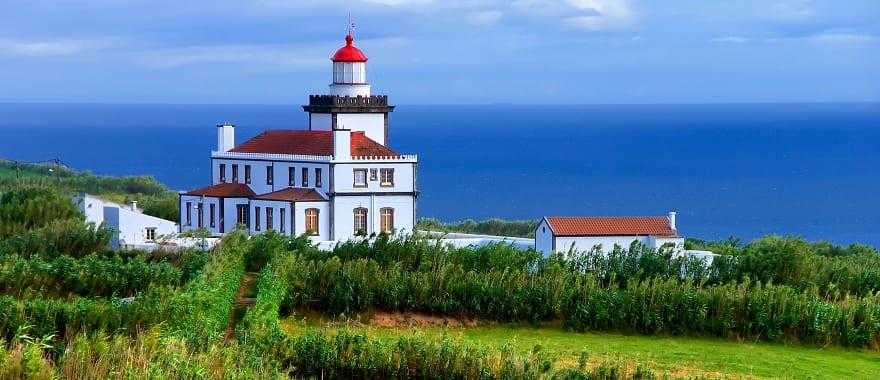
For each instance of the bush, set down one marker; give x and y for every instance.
(25, 209)
(754, 311)
(497, 227)
(74, 238)
(93, 275)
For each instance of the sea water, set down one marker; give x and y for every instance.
(741, 170)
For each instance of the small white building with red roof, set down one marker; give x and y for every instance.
(585, 233)
(336, 178)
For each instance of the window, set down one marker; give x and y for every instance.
(373, 175)
(360, 221)
(222, 172)
(200, 215)
(386, 177)
(243, 215)
(269, 215)
(305, 179)
(213, 207)
(318, 180)
(235, 173)
(312, 221)
(281, 219)
(386, 220)
(360, 178)
(189, 220)
(270, 175)
(256, 218)
(151, 233)
(291, 171)
(247, 174)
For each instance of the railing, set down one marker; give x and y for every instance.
(269, 156)
(336, 100)
(400, 158)
(303, 157)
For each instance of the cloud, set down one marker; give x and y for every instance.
(272, 55)
(793, 11)
(277, 55)
(58, 47)
(395, 3)
(589, 15)
(843, 39)
(484, 18)
(831, 38)
(731, 40)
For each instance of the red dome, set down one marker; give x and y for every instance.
(349, 53)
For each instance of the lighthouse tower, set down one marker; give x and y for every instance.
(349, 104)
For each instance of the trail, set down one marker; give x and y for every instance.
(244, 299)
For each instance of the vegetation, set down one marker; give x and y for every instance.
(153, 197)
(62, 314)
(683, 356)
(497, 227)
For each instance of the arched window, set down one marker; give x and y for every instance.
(312, 221)
(386, 220)
(360, 221)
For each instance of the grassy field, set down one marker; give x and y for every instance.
(684, 356)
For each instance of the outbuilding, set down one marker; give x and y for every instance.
(130, 226)
(584, 233)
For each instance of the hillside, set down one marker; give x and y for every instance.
(152, 196)
(272, 306)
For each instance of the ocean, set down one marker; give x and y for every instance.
(743, 170)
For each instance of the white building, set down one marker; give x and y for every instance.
(583, 233)
(336, 179)
(131, 228)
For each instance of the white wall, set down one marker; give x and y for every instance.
(350, 89)
(280, 172)
(372, 124)
(543, 238)
(91, 207)
(230, 213)
(343, 213)
(276, 218)
(586, 243)
(323, 218)
(343, 178)
(132, 226)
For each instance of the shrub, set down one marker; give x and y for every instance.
(93, 275)
(25, 209)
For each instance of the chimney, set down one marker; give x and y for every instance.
(225, 137)
(341, 144)
(671, 218)
(134, 206)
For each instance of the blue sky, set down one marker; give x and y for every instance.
(442, 52)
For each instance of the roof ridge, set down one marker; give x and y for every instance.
(608, 216)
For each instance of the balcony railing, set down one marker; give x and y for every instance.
(303, 157)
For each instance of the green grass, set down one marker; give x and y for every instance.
(674, 355)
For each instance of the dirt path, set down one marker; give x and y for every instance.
(244, 299)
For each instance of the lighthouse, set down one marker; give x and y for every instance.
(349, 104)
(333, 181)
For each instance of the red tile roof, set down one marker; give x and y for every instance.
(229, 190)
(293, 194)
(313, 143)
(610, 225)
